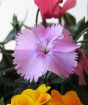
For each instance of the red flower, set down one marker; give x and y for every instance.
(82, 67)
(51, 8)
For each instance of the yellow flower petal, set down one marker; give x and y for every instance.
(44, 98)
(32, 97)
(21, 100)
(29, 92)
(43, 88)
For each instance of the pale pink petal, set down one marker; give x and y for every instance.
(40, 32)
(26, 40)
(65, 44)
(62, 63)
(34, 68)
(30, 66)
(21, 58)
(53, 32)
(25, 44)
(25, 56)
(68, 4)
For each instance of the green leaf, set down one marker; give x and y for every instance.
(15, 21)
(16, 28)
(85, 45)
(54, 79)
(83, 41)
(69, 20)
(79, 29)
(2, 101)
(80, 24)
(6, 61)
(10, 36)
(84, 32)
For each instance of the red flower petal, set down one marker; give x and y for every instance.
(47, 7)
(68, 4)
(57, 13)
(51, 8)
(82, 67)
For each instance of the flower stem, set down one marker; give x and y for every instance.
(7, 70)
(62, 88)
(36, 22)
(59, 20)
(44, 22)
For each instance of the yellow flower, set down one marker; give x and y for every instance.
(32, 97)
(41, 97)
(70, 98)
(21, 100)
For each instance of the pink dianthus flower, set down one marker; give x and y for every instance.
(41, 49)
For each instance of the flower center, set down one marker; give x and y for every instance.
(46, 51)
(43, 48)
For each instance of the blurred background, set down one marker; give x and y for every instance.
(22, 7)
(27, 8)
